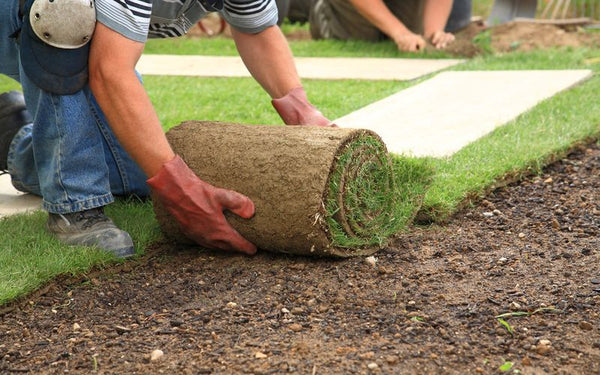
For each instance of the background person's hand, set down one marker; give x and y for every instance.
(198, 207)
(441, 39)
(409, 42)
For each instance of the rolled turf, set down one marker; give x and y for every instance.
(317, 191)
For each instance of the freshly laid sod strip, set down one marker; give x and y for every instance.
(317, 191)
(524, 145)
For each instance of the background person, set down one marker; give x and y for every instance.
(409, 23)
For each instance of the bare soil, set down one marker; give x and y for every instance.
(521, 36)
(426, 304)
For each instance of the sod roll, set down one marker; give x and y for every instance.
(317, 191)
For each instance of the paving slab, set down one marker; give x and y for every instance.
(440, 116)
(13, 201)
(330, 68)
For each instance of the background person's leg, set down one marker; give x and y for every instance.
(338, 19)
(460, 16)
(298, 10)
(409, 12)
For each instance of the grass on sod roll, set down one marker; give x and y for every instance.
(370, 196)
(31, 258)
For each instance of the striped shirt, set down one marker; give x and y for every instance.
(142, 19)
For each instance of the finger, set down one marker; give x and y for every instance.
(232, 241)
(236, 242)
(235, 202)
(436, 38)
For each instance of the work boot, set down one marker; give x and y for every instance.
(91, 228)
(13, 116)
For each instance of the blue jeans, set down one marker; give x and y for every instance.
(69, 155)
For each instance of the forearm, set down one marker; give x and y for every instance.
(436, 13)
(269, 59)
(124, 101)
(376, 12)
(133, 119)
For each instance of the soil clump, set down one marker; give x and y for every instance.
(427, 304)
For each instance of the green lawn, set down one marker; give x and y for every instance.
(30, 257)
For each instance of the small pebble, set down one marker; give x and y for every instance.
(543, 346)
(156, 355)
(285, 311)
(121, 330)
(76, 327)
(521, 235)
(295, 327)
(371, 260)
(372, 366)
(259, 355)
(488, 214)
(231, 305)
(391, 359)
(595, 281)
(586, 326)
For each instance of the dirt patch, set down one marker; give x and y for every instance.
(427, 304)
(519, 36)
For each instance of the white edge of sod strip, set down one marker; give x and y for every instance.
(308, 67)
(15, 202)
(445, 113)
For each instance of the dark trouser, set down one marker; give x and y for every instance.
(338, 19)
(460, 16)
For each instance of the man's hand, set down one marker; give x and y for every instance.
(409, 42)
(295, 109)
(198, 207)
(441, 39)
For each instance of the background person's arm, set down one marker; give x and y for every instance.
(435, 17)
(376, 12)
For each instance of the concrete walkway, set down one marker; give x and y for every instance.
(445, 113)
(14, 202)
(434, 118)
(308, 67)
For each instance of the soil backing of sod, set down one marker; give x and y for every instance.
(317, 191)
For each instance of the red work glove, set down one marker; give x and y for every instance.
(198, 207)
(295, 109)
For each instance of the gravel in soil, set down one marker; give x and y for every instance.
(427, 304)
